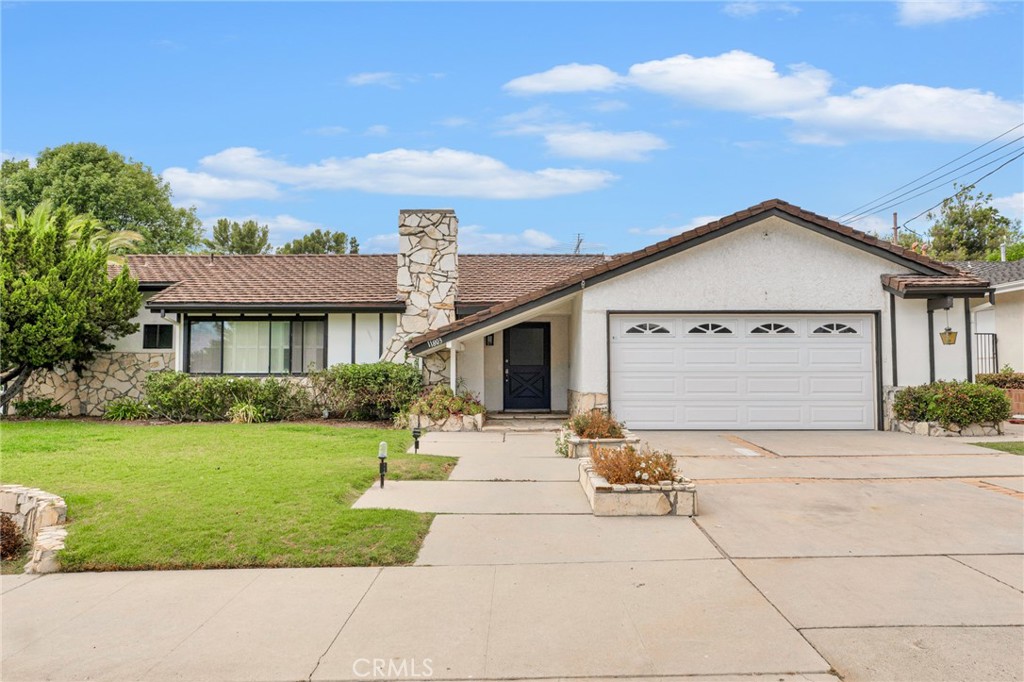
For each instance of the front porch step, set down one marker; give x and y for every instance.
(513, 416)
(530, 425)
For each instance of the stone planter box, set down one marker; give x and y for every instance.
(456, 422)
(578, 448)
(668, 498)
(954, 430)
(40, 516)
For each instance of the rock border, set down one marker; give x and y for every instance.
(40, 516)
(456, 422)
(579, 448)
(667, 498)
(954, 431)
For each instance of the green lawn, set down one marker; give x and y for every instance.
(1013, 447)
(218, 495)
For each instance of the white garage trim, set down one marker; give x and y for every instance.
(747, 347)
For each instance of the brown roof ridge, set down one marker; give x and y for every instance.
(665, 244)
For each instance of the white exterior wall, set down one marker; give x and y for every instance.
(133, 342)
(951, 361)
(912, 342)
(772, 265)
(1010, 329)
(470, 366)
(494, 377)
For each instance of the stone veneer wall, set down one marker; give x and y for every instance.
(39, 516)
(110, 376)
(428, 277)
(581, 403)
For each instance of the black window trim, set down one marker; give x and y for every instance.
(159, 326)
(189, 319)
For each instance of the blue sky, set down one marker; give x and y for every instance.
(535, 121)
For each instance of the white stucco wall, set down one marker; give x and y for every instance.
(772, 265)
(133, 342)
(470, 366)
(1010, 329)
(494, 378)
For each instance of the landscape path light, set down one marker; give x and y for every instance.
(416, 433)
(382, 455)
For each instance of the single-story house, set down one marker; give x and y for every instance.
(999, 322)
(771, 318)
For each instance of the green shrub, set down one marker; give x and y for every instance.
(374, 392)
(1005, 378)
(595, 424)
(182, 397)
(245, 413)
(37, 408)
(125, 409)
(440, 402)
(952, 402)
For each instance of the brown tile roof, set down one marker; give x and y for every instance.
(930, 283)
(337, 281)
(636, 257)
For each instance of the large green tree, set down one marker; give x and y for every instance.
(59, 305)
(122, 194)
(322, 241)
(247, 238)
(968, 227)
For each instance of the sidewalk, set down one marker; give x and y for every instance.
(907, 569)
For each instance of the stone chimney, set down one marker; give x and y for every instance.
(428, 274)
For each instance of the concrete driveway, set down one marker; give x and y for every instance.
(874, 556)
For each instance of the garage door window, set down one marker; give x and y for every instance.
(710, 328)
(772, 328)
(648, 328)
(835, 328)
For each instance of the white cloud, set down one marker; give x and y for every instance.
(736, 80)
(441, 172)
(328, 131)
(610, 105)
(387, 79)
(745, 10)
(918, 12)
(666, 231)
(1011, 206)
(603, 144)
(378, 130)
(189, 186)
(565, 78)
(740, 81)
(906, 111)
(477, 239)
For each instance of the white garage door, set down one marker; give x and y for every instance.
(743, 371)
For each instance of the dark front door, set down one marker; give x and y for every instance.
(528, 366)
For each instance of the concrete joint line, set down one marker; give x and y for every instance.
(337, 634)
(985, 485)
(490, 617)
(948, 556)
(764, 452)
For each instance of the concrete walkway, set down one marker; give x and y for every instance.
(880, 558)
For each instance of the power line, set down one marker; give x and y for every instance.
(932, 189)
(840, 218)
(970, 186)
(892, 203)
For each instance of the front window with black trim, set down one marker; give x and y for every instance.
(157, 336)
(256, 346)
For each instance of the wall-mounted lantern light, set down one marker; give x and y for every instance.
(489, 340)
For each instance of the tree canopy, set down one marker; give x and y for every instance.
(120, 193)
(231, 238)
(322, 241)
(968, 227)
(59, 305)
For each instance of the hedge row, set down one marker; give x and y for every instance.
(952, 402)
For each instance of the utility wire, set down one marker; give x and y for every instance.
(892, 202)
(840, 218)
(970, 186)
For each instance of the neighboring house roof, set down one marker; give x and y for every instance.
(334, 281)
(630, 261)
(923, 285)
(997, 272)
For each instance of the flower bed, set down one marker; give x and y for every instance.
(676, 497)
(592, 429)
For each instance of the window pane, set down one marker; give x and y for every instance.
(313, 345)
(166, 337)
(246, 347)
(526, 346)
(280, 340)
(297, 367)
(204, 347)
